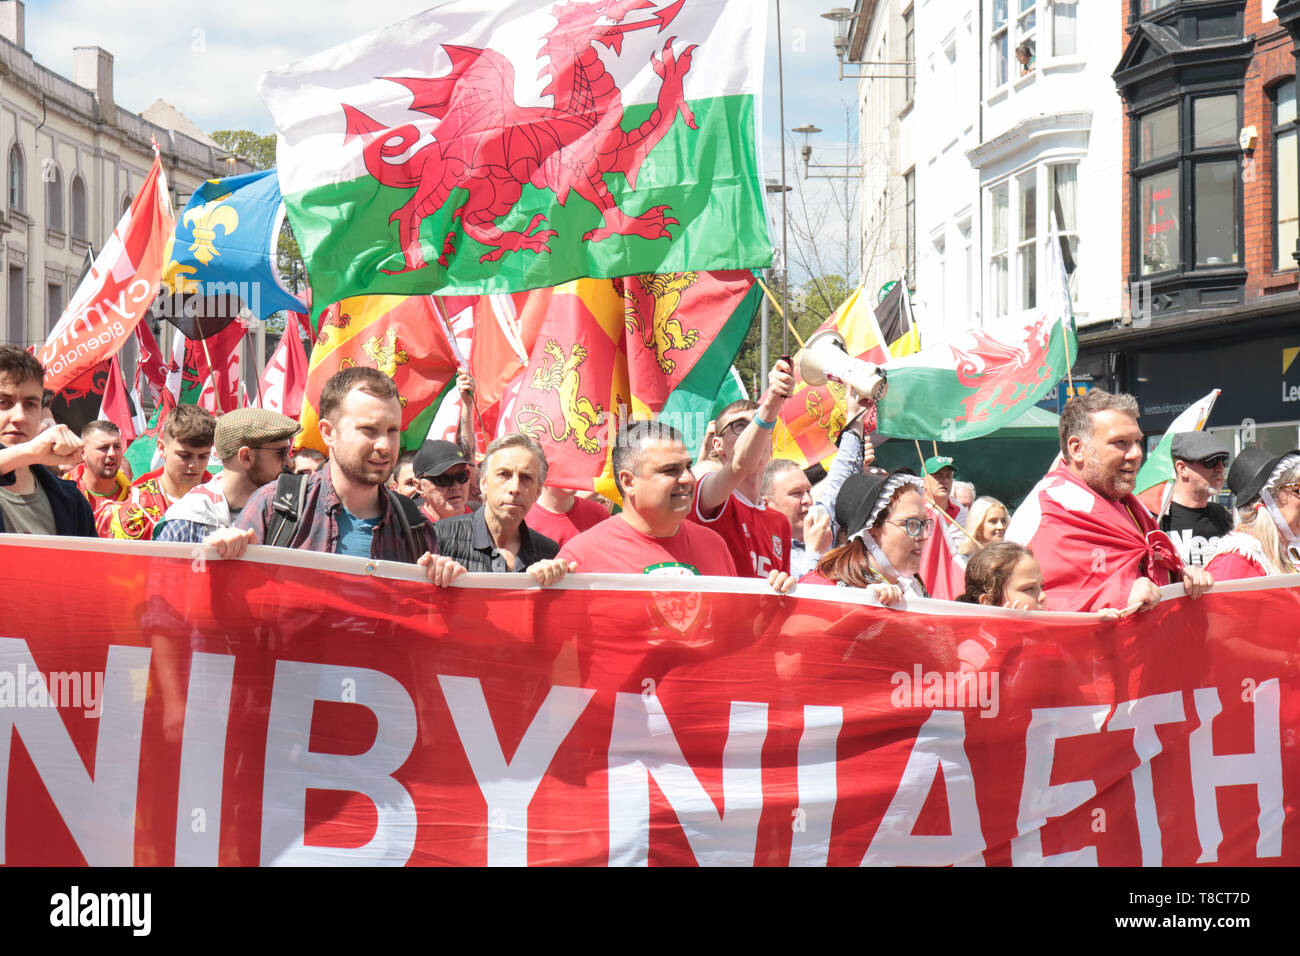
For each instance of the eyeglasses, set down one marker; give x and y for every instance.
(915, 527)
(735, 427)
(449, 478)
(1215, 462)
(281, 453)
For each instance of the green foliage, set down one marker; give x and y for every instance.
(258, 150)
(810, 305)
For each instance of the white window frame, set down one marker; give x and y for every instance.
(1017, 251)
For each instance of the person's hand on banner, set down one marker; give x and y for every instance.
(441, 570)
(230, 543)
(464, 383)
(551, 571)
(886, 594)
(1196, 581)
(1143, 596)
(780, 582)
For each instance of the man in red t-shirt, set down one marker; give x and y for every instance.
(651, 535)
(99, 477)
(561, 515)
(729, 500)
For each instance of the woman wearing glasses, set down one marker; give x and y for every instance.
(1267, 538)
(885, 519)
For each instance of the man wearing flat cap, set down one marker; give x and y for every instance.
(1194, 522)
(253, 445)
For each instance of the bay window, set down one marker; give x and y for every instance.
(1186, 181)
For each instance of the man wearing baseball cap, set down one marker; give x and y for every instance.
(939, 474)
(443, 472)
(1195, 523)
(253, 445)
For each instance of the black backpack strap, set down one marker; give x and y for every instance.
(411, 519)
(289, 491)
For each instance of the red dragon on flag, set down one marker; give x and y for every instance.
(491, 147)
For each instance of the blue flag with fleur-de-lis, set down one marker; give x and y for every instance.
(222, 256)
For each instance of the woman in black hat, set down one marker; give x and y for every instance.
(1267, 538)
(885, 519)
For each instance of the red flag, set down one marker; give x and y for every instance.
(285, 379)
(150, 365)
(505, 329)
(942, 573)
(118, 407)
(217, 360)
(118, 289)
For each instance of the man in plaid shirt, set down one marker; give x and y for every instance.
(346, 507)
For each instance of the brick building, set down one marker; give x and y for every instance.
(1209, 185)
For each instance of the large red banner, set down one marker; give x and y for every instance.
(159, 706)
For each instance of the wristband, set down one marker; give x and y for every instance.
(762, 424)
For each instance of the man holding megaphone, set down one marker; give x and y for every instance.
(729, 500)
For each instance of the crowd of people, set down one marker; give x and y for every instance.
(1081, 540)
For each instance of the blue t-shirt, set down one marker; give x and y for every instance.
(355, 534)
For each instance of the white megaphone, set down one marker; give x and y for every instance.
(826, 357)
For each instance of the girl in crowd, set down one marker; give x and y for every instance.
(1005, 574)
(886, 523)
(987, 524)
(1267, 537)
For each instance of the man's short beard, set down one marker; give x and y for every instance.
(358, 477)
(1111, 485)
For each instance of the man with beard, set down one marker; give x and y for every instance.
(100, 477)
(345, 507)
(1097, 545)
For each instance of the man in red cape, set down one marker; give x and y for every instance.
(1097, 545)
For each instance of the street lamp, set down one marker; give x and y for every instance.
(844, 20)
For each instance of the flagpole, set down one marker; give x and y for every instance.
(785, 259)
(212, 377)
(787, 328)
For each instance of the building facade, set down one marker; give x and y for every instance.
(74, 160)
(880, 50)
(1010, 124)
(1208, 244)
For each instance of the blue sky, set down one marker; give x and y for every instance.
(205, 59)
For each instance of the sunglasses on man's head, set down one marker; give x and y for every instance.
(447, 479)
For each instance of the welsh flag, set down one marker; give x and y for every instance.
(983, 379)
(415, 160)
(404, 337)
(611, 350)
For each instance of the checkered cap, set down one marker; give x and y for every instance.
(251, 427)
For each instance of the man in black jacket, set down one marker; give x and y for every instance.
(33, 499)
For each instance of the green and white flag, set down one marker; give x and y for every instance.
(983, 379)
(456, 152)
(1159, 468)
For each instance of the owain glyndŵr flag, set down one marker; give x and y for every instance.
(453, 153)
